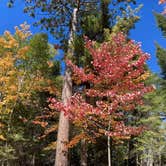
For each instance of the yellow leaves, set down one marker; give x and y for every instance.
(50, 64)
(12, 51)
(23, 33)
(13, 88)
(10, 41)
(22, 52)
(2, 41)
(82, 136)
(19, 79)
(143, 77)
(51, 129)
(2, 138)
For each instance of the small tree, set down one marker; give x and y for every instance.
(115, 86)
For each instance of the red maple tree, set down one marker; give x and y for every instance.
(115, 86)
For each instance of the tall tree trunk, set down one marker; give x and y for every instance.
(63, 129)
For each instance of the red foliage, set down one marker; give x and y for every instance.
(115, 87)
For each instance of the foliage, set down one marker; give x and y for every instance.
(113, 89)
(150, 146)
(26, 81)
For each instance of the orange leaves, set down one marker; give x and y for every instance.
(76, 140)
(42, 124)
(49, 130)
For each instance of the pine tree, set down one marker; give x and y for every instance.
(150, 146)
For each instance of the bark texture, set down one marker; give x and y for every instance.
(63, 129)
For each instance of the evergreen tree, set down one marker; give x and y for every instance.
(150, 146)
(160, 53)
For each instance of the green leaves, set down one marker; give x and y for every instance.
(161, 22)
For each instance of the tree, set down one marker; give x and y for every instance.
(22, 78)
(160, 52)
(61, 20)
(150, 146)
(112, 94)
(98, 27)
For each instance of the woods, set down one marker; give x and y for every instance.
(103, 107)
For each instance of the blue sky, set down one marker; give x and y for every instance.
(146, 30)
(147, 33)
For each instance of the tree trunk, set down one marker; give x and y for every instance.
(63, 129)
(83, 153)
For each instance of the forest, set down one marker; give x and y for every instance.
(100, 104)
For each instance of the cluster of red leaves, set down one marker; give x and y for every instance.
(115, 88)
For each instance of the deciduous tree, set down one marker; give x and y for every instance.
(115, 87)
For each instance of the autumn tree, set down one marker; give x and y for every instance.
(25, 71)
(62, 19)
(112, 94)
(98, 27)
